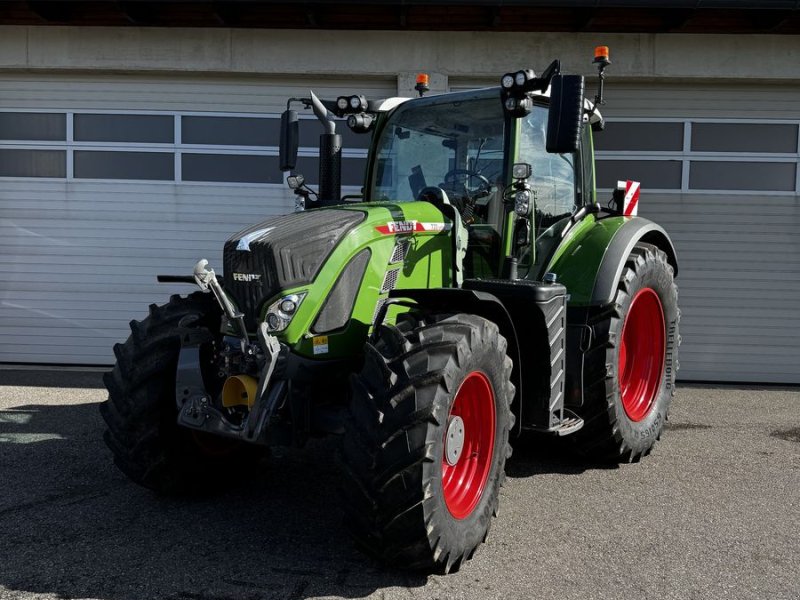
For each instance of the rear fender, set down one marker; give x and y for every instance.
(634, 231)
(591, 258)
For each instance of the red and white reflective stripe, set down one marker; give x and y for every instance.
(394, 227)
(630, 206)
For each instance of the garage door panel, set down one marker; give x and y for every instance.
(732, 257)
(739, 252)
(788, 317)
(177, 92)
(62, 309)
(90, 256)
(80, 257)
(105, 231)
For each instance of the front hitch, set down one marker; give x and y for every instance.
(194, 403)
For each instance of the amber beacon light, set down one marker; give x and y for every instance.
(601, 55)
(422, 83)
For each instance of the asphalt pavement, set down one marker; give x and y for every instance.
(713, 512)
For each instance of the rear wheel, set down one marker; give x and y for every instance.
(629, 371)
(427, 440)
(147, 443)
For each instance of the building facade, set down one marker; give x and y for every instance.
(127, 151)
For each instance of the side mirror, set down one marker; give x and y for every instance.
(290, 140)
(295, 182)
(566, 114)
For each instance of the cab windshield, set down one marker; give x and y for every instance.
(455, 145)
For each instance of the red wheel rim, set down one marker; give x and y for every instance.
(464, 478)
(641, 354)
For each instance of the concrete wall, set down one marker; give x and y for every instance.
(377, 53)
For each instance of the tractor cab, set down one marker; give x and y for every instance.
(459, 150)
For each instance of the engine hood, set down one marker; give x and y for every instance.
(281, 253)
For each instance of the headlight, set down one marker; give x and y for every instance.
(520, 78)
(280, 312)
(342, 102)
(522, 202)
(511, 103)
(507, 81)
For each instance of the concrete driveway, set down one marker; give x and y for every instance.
(714, 512)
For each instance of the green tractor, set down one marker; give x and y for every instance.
(477, 291)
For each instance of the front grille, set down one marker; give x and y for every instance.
(399, 252)
(378, 308)
(390, 281)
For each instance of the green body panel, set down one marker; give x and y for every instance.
(428, 264)
(578, 258)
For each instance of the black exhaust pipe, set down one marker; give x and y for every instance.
(330, 169)
(330, 156)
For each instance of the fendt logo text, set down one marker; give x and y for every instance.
(246, 277)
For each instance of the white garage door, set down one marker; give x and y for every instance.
(107, 181)
(720, 170)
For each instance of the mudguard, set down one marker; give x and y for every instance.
(631, 233)
(591, 258)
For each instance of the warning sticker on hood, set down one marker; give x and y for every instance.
(320, 344)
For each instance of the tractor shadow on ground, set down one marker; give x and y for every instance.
(74, 527)
(541, 455)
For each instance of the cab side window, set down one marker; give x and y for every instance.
(553, 177)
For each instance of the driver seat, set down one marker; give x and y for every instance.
(435, 195)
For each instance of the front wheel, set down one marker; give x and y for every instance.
(427, 440)
(147, 443)
(629, 370)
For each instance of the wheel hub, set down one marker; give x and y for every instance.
(454, 440)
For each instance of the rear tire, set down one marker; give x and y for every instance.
(629, 370)
(427, 441)
(147, 443)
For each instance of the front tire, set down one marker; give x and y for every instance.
(143, 435)
(427, 441)
(629, 370)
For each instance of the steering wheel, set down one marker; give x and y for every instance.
(469, 195)
(451, 177)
